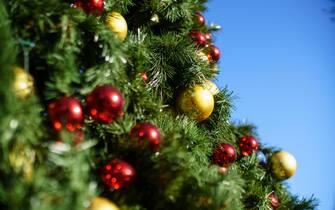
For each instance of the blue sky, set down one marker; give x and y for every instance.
(278, 57)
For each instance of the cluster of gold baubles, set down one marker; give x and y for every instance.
(283, 165)
(197, 102)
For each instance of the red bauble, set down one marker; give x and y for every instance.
(248, 144)
(224, 154)
(94, 7)
(105, 103)
(198, 37)
(213, 53)
(208, 37)
(66, 112)
(146, 133)
(199, 19)
(117, 173)
(144, 76)
(274, 201)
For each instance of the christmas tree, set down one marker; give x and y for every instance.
(109, 104)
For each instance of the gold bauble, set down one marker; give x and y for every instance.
(155, 18)
(283, 165)
(23, 83)
(100, 203)
(117, 24)
(196, 102)
(22, 160)
(211, 86)
(202, 56)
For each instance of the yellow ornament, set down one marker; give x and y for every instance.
(22, 160)
(211, 86)
(100, 203)
(155, 18)
(23, 83)
(202, 56)
(283, 165)
(196, 102)
(117, 24)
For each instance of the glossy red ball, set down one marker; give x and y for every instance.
(117, 174)
(95, 7)
(224, 154)
(146, 133)
(248, 145)
(274, 201)
(198, 38)
(105, 103)
(214, 53)
(199, 19)
(66, 112)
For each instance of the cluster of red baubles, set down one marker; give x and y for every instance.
(225, 154)
(204, 40)
(104, 103)
(117, 173)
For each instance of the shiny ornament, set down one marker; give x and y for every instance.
(248, 145)
(117, 174)
(100, 203)
(22, 159)
(213, 53)
(274, 201)
(94, 7)
(283, 165)
(261, 158)
(198, 38)
(146, 133)
(196, 102)
(224, 154)
(23, 83)
(202, 56)
(208, 37)
(155, 18)
(199, 19)
(105, 103)
(211, 86)
(116, 22)
(66, 112)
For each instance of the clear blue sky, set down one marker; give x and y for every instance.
(278, 56)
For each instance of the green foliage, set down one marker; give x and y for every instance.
(70, 54)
